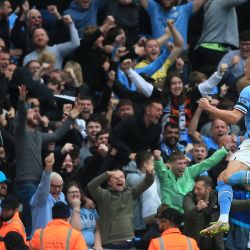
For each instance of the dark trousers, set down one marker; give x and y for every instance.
(203, 58)
(25, 190)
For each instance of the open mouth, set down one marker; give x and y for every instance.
(181, 172)
(37, 25)
(154, 54)
(119, 185)
(85, 111)
(199, 158)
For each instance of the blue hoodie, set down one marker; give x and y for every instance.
(84, 17)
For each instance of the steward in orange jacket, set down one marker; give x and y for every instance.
(172, 238)
(10, 220)
(58, 234)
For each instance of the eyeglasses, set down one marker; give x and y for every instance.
(74, 192)
(56, 186)
(36, 17)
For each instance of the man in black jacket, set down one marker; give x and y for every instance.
(139, 132)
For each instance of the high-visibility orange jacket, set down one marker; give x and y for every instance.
(173, 239)
(58, 234)
(14, 224)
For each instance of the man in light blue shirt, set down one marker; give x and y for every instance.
(41, 40)
(49, 191)
(160, 12)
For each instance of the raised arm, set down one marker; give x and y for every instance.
(155, 65)
(206, 86)
(43, 190)
(60, 132)
(160, 168)
(94, 186)
(142, 86)
(178, 41)
(66, 48)
(163, 39)
(207, 164)
(18, 36)
(22, 111)
(88, 42)
(229, 116)
(192, 128)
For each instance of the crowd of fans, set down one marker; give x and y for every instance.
(104, 142)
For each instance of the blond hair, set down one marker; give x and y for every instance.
(47, 57)
(77, 70)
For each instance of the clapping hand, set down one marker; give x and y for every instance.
(201, 205)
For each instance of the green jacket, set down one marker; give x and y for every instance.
(116, 209)
(174, 189)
